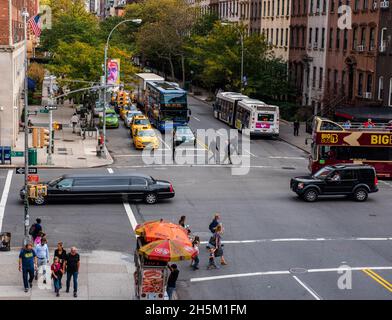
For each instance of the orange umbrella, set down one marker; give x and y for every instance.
(167, 250)
(162, 230)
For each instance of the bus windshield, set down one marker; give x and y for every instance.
(174, 115)
(174, 98)
(323, 173)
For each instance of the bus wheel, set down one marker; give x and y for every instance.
(361, 194)
(310, 195)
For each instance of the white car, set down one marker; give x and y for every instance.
(130, 116)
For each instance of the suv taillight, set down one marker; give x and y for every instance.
(376, 181)
(171, 188)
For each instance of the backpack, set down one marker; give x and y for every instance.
(32, 229)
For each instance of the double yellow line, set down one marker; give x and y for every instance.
(376, 277)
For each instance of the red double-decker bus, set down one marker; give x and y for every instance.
(358, 143)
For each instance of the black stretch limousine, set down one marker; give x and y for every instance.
(89, 187)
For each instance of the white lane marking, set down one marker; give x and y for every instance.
(303, 240)
(386, 183)
(110, 170)
(167, 146)
(250, 153)
(288, 158)
(4, 197)
(307, 288)
(283, 272)
(130, 215)
(196, 119)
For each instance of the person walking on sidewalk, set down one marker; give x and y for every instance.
(219, 245)
(171, 282)
(74, 122)
(215, 222)
(42, 252)
(61, 254)
(296, 127)
(35, 229)
(27, 265)
(211, 259)
(56, 275)
(72, 265)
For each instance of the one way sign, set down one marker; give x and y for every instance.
(21, 170)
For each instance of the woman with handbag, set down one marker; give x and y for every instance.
(219, 245)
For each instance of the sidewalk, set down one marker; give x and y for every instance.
(287, 135)
(70, 151)
(104, 275)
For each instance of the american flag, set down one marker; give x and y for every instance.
(35, 24)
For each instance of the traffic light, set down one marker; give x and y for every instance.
(121, 98)
(36, 138)
(44, 138)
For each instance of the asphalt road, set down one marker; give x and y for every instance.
(278, 247)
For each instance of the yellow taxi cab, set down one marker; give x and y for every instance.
(144, 138)
(140, 122)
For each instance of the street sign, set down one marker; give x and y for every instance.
(17, 154)
(43, 111)
(21, 170)
(51, 107)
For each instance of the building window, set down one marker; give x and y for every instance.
(278, 7)
(264, 9)
(269, 8)
(288, 8)
(316, 37)
(332, 5)
(277, 37)
(345, 39)
(321, 78)
(365, 4)
(287, 36)
(363, 36)
(314, 77)
(343, 82)
(369, 83)
(390, 93)
(310, 36)
(335, 81)
(273, 8)
(323, 38)
(311, 7)
(337, 38)
(380, 88)
(307, 77)
(372, 39)
(356, 5)
(324, 6)
(355, 38)
(360, 84)
(328, 78)
(303, 37)
(281, 37)
(282, 7)
(330, 38)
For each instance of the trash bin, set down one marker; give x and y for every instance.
(5, 241)
(33, 157)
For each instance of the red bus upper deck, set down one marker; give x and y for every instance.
(358, 143)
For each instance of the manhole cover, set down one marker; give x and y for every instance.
(298, 270)
(66, 140)
(81, 158)
(288, 168)
(63, 153)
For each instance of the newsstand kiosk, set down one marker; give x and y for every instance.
(150, 276)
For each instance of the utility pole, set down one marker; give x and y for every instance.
(25, 16)
(242, 61)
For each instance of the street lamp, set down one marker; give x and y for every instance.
(105, 80)
(242, 54)
(25, 16)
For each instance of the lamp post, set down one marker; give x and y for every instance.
(242, 54)
(25, 16)
(105, 80)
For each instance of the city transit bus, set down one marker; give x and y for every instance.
(334, 143)
(258, 117)
(166, 103)
(225, 106)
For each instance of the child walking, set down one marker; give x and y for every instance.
(56, 275)
(211, 260)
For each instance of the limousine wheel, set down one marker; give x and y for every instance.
(360, 194)
(39, 201)
(310, 195)
(151, 198)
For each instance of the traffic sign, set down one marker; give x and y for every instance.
(21, 170)
(17, 154)
(50, 107)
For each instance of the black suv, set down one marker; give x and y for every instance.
(355, 181)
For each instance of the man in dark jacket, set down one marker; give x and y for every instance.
(171, 282)
(27, 265)
(37, 228)
(296, 127)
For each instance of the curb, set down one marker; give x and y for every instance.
(294, 145)
(201, 100)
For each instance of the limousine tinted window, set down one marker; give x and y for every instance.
(88, 182)
(66, 183)
(138, 182)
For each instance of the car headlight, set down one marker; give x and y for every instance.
(300, 185)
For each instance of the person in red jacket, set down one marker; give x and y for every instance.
(369, 124)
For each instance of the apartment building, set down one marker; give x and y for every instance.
(275, 24)
(12, 56)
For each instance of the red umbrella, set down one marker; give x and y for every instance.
(168, 250)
